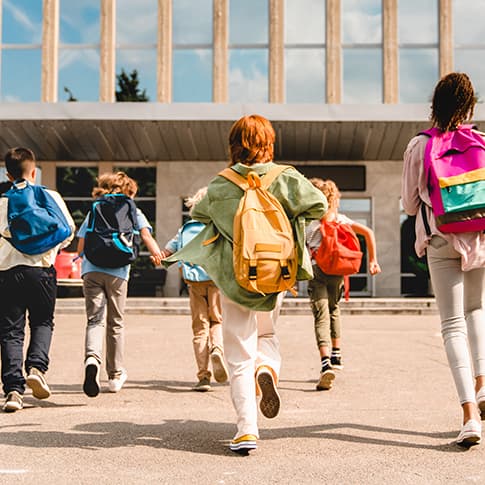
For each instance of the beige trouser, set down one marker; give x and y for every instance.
(205, 306)
(249, 342)
(105, 294)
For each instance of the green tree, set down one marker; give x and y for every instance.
(69, 92)
(128, 89)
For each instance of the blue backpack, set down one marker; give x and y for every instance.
(112, 236)
(191, 272)
(36, 223)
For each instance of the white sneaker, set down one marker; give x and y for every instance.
(470, 434)
(481, 402)
(116, 384)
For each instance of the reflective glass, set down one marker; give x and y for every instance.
(192, 22)
(21, 21)
(304, 22)
(79, 73)
(248, 21)
(468, 21)
(136, 22)
(418, 73)
(76, 181)
(21, 75)
(192, 75)
(144, 61)
(79, 21)
(466, 61)
(248, 75)
(355, 205)
(418, 21)
(362, 21)
(305, 75)
(362, 76)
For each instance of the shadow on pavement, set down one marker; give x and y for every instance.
(210, 438)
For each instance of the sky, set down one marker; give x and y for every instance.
(136, 36)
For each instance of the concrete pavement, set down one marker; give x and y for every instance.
(391, 417)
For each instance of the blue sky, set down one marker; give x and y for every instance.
(248, 56)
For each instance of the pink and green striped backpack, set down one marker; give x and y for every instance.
(454, 162)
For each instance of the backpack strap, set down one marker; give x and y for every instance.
(235, 178)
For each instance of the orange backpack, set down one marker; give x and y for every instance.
(264, 252)
(339, 252)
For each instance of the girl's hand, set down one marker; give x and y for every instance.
(156, 259)
(374, 268)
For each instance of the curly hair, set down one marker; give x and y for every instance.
(115, 183)
(330, 191)
(453, 101)
(251, 140)
(192, 201)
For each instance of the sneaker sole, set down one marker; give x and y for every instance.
(469, 441)
(12, 407)
(243, 447)
(326, 381)
(91, 386)
(337, 366)
(270, 399)
(39, 389)
(218, 368)
(202, 389)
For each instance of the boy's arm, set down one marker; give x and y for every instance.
(62, 205)
(370, 242)
(80, 246)
(152, 246)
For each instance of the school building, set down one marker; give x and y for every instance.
(346, 84)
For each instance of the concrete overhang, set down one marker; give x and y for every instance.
(126, 132)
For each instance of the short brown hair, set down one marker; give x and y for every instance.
(251, 140)
(115, 183)
(19, 161)
(453, 101)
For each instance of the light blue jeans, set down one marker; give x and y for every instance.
(459, 296)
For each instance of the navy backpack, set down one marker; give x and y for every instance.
(36, 223)
(112, 236)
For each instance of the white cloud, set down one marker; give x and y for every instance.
(192, 22)
(34, 28)
(304, 21)
(136, 22)
(88, 58)
(305, 76)
(468, 21)
(248, 87)
(361, 21)
(418, 28)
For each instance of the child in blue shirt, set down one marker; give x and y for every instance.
(105, 291)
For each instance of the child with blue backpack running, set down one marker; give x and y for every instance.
(34, 224)
(205, 305)
(108, 242)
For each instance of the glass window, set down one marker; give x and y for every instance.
(22, 22)
(418, 73)
(466, 61)
(418, 22)
(248, 21)
(21, 75)
(78, 75)
(305, 75)
(248, 75)
(362, 76)
(304, 22)
(467, 24)
(136, 22)
(144, 61)
(361, 21)
(192, 75)
(79, 22)
(192, 22)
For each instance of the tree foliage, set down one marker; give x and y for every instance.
(128, 89)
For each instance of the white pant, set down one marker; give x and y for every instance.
(249, 342)
(459, 295)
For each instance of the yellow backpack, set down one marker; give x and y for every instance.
(264, 252)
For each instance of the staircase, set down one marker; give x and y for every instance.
(291, 306)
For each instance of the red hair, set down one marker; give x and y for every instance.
(251, 140)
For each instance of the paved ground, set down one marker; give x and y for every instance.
(390, 419)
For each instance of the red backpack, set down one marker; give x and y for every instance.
(339, 252)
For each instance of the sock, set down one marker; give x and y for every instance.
(325, 363)
(336, 352)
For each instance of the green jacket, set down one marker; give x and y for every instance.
(302, 203)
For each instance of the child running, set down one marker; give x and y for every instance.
(105, 291)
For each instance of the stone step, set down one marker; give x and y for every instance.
(291, 306)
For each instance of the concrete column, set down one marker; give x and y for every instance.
(390, 51)
(164, 67)
(50, 48)
(334, 52)
(446, 36)
(105, 167)
(108, 52)
(220, 61)
(276, 51)
(48, 170)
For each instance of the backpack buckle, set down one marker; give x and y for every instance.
(253, 275)
(285, 272)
